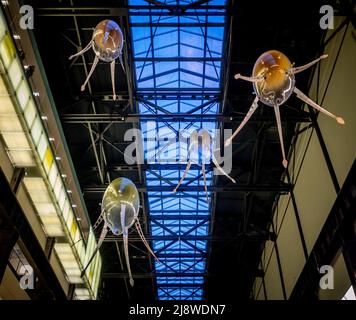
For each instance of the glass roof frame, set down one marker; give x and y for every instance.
(177, 55)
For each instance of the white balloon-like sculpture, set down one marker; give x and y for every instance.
(120, 206)
(107, 42)
(201, 153)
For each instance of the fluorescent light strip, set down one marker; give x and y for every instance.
(69, 262)
(27, 145)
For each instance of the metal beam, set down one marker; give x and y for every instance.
(173, 238)
(133, 118)
(183, 212)
(120, 275)
(148, 166)
(282, 187)
(182, 256)
(174, 95)
(179, 217)
(179, 59)
(98, 11)
(180, 285)
(176, 25)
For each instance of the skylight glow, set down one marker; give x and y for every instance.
(178, 61)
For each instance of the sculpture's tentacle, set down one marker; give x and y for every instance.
(280, 133)
(250, 79)
(95, 62)
(88, 46)
(125, 236)
(309, 101)
(219, 167)
(99, 220)
(142, 236)
(126, 250)
(95, 226)
(112, 69)
(122, 63)
(100, 242)
(184, 175)
(244, 121)
(204, 177)
(306, 66)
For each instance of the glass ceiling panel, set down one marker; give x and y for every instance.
(180, 57)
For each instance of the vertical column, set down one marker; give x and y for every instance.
(297, 217)
(8, 238)
(279, 265)
(8, 234)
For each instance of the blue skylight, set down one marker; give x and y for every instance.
(178, 62)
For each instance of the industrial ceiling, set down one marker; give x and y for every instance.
(179, 59)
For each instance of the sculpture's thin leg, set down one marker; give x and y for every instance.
(95, 62)
(280, 133)
(306, 66)
(219, 167)
(99, 220)
(125, 235)
(126, 251)
(81, 51)
(112, 69)
(122, 63)
(95, 226)
(184, 175)
(250, 79)
(244, 121)
(161, 150)
(142, 236)
(309, 101)
(204, 177)
(100, 242)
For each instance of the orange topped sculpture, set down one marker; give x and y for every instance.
(274, 82)
(120, 207)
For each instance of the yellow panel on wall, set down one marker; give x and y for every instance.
(340, 98)
(314, 193)
(7, 50)
(48, 160)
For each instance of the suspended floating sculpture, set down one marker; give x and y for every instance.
(107, 42)
(273, 83)
(120, 206)
(200, 152)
